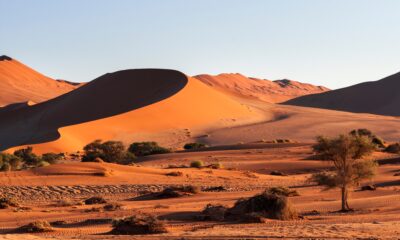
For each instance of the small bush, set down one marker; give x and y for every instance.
(377, 141)
(137, 225)
(178, 191)
(284, 191)
(175, 174)
(214, 212)
(52, 158)
(193, 146)
(65, 203)
(42, 164)
(393, 148)
(112, 207)
(95, 200)
(216, 165)
(324, 179)
(109, 151)
(27, 155)
(197, 164)
(36, 227)
(266, 205)
(8, 202)
(147, 148)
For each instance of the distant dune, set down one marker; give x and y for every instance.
(19, 83)
(379, 97)
(269, 91)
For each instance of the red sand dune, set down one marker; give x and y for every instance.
(379, 97)
(19, 83)
(269, 91)
(106, 96)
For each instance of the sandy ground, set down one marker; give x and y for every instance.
(246, 173)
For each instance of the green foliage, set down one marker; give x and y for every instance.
(217, 165)
(197, 164)
(109, 151)
(10, 162)
(195, 145)
(146, 148)
(26, 154)
(377, 141)
(346, 153)
(52, 158)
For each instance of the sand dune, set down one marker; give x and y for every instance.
(108, 95)
(19, 83)
(269, 91)
(379, 97)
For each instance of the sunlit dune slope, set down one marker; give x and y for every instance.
(269, 91)
(106, 96)
(19, 83)
(196, 107)
(379, 97)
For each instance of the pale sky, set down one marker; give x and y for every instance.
(335, 43)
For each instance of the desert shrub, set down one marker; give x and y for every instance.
(377, 141)
(65, 203)
(178, 191)
(8, 202)
(95, 200)
(175, 174)
(28, 157)
(324, 179)
(52, 158)
(109, 151)
(265, 205)
(283, 141)
(195, 145)
(36, 227)
(6, 167)
(112, 207)
(42, 164)
(393, 148)
(284, 191)
(214, 212)
(11, 161)
(197, 164)
(146, 148)
(216, 165)
(138, 224)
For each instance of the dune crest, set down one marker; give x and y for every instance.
(106, 96)
(19, 83)
(265, 90)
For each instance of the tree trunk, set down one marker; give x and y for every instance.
(345, 204)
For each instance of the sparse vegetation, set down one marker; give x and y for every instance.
(216, 165)
(95, 200)
(277, 173)
(284, 191)
(197, 164)
(52, 158)
(36, 227)
(346, 153)
(147, 148)
(193, 146)
(214, 212)
(377, 141)
(264, 205)
(109, 151)
(178, 191)
(175, 174)
(393, 148)
(112, 207)
(138, 224)
(27, 155)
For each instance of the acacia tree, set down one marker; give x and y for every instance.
(346, 152)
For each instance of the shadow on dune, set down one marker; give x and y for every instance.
(106, 96)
